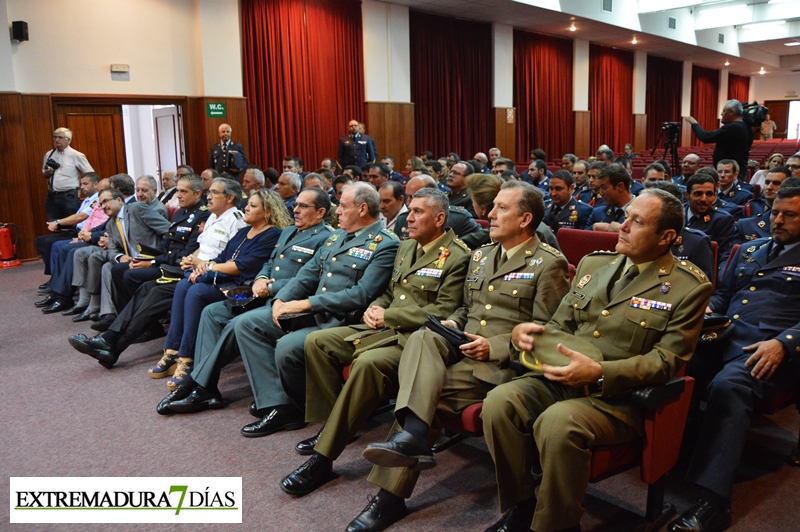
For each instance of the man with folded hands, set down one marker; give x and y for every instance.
(631, 318)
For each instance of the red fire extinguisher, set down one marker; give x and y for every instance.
(8, 251)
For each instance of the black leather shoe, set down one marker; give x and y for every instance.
(517, 519)
(46, 302)
(282, 417)
(104, 323)
(199, 400)
(308, 477)
(257, 412)
(703, 517)
(181, 392)
(60, 305)
(401, 450)
(83, 316)
(74, 311)
(378, 515)
(95, 316)
(96, 347)
(44, 289)
(306, 447)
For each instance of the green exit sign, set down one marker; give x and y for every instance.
(215, 110)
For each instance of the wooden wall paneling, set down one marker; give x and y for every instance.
(505, 131)
(391, 125)
(779, 113)
(201, 133)
(639, 132)
(37, 113)
(583, 128)
(97, 131)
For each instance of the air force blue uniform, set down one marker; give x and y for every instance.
(695, 246)
(574, 214)
(717, 224)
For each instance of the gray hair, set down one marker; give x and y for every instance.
(365, 193)
(64, 131)
(193, 180)
(313, 175)
(231, 188)
(480, 156)
(530, 201)
(151, 181)
(671, 215)
(258, 175)
(436, 199)
(734, 106)
(571, 156)
(294, 180)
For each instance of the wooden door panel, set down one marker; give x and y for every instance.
(779, 113)
(97, 132)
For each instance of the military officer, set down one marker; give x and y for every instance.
(772, 183)
(457, 181)
(428, 279)
(563, 210)
(614, 183)
(701, 215)
(355, 148)
(631, 319)
(228, 156)
(730, 188)
(216, 342)
(759, 357)
(518, 279)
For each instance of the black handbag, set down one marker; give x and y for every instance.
(454, 336)
(294, 321)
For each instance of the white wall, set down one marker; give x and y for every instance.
(580, 75)
(6, 64)
(387, 52)
(169, 45)
(773, 87)
(503, 62)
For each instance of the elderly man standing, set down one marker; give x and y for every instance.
(515, 280)
(733, 140)
(601, 342)
(63, 167)
(227, 156)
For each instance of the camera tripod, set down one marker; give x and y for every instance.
(670, 145)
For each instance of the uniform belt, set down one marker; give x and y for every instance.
(70, 191)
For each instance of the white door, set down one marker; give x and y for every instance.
(169, 137)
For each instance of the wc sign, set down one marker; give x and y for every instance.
(215, 110)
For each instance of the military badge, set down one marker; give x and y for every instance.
(751, 249)
(665, 288)
(359, 253)
(647, 304)
(378, 238)
(190, 219)
(483, 261)
(706, 218)
(584, 281)
(662, 271)
(762, 223)
(573, 216)
(429, 272)
(523, 275)
(443, 254)
(373, 246)
(477, 255)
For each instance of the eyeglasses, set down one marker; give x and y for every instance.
(215, 193)
(105, 201)
(56, 137)
(793, 166)
(303, 206)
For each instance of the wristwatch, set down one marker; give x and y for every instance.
(210, 266)
(595, 389)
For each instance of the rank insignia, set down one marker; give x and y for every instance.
(359, 253)
(477, 255)
(429, 272)
(762, 223)
(662, 271)
(751, 249)
(679, 241)
(483, 261)
(528, 252)
(572, 207)
(706, 218)
(535, 262)
(584, 281)
(334, 237)
(665, 288)
(512, 276)
(731, 193)
(373, 246)
(378, 238)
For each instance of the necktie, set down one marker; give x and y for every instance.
(624, 281)
(420, 253)
(122, 236)
(776, 250)
(619, 215)
(555, 212)
(503, 259)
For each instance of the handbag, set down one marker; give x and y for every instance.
(294, 321)
(454, 336)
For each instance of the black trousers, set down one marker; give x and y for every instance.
(150, 303)
(127, 282)
(61, 204)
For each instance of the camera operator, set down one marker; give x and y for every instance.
(733, 139)
(63, 167)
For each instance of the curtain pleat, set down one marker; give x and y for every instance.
(543, 94)
(303, 76)
(738, 87)
(610, 97)
(705, 99)
(663, 101)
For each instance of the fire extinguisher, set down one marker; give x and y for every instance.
(8, 251)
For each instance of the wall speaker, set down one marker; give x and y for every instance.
(19, 30)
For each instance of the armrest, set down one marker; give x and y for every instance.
(652, 398)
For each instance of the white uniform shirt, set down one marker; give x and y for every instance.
(218, 231)
(73, 164)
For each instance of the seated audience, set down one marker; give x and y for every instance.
(563, 210)
(701, 193)
(146, 189)
(252, 180)
(393, 203)
(775, 160)
(614, 183)
(288, 187)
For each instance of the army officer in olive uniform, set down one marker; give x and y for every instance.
(517, 280)
(216, 342)
(632, 319)
(350, 271)
(428, 278)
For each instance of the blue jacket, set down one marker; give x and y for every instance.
(574, 214)
(695, 246)
(717, 224)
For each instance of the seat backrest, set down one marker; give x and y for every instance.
(483, 223)
(577, 243)
(715, 253)
(171, 211)
(734, 249)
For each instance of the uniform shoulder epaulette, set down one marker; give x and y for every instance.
(603, 252)
(460, 243)
(390, 233)
(238, 215)
(202, 208)
(456, 208)
(691, 269)
(329, 226)
(547, 247)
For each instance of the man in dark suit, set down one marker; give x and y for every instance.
(759, 358)
(631, 319)
(227, 156)
(355, 149)
(701, 192)
(563, 210)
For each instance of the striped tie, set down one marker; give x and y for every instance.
(122, 236)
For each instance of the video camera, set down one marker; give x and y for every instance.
(669, 127)
(753, 114)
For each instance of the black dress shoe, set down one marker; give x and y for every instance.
(95, 316)
(181, 392)
(96, 347)
(378, 515)
(74, 311)
(306, 447)
(308, 477)
(517, 519)
(282, 417)
(46, 302)
(703, 517)
(104, 323)
(257, 412)
(60, 305)
(44, 289)
(86, 315)
(401, 450)
(199, 400)
(44, 286)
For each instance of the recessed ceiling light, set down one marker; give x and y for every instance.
(762, 72)
(763, 24)
(727, 63)
(795, 43)
(573, 28)
(634, 41)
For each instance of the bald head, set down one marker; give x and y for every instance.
(418, 182)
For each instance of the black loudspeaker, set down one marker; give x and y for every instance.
(19, 30)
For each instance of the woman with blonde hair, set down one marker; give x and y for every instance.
(483, 188)
(775, 160)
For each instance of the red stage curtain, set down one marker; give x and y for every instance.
(705, 99)
(610, 97)
(303, 76)
(543, 94)
(451, 84)
(739, 88)
(663, 102)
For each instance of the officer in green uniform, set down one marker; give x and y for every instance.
(428, 278)
(631, 319)
(517, 280)
(348, 272)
